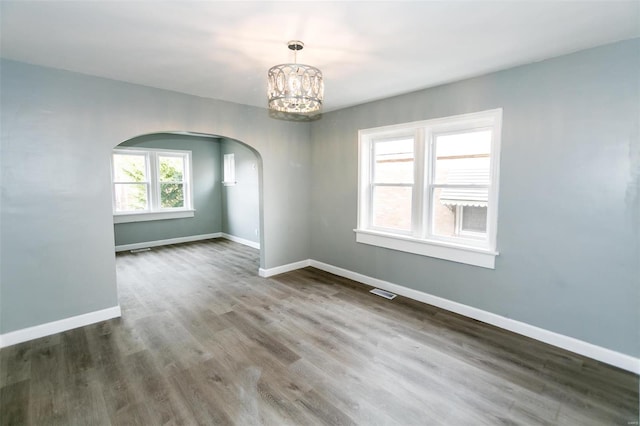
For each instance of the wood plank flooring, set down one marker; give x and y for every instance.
(203, 340)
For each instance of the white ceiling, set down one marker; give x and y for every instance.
(366, 50)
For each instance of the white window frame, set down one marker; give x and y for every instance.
(229, 170)
(421, 240)
(154, 211)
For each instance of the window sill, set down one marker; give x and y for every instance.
(441, 250)
(146, 216)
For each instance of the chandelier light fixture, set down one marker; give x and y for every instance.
(295, 88)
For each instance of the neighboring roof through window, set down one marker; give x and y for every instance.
(475, 197)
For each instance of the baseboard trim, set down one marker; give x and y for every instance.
(266, 273)
(240, 240)
(47, 329)
(190, 238)
(607, 356)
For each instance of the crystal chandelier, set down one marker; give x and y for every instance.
(295, 88)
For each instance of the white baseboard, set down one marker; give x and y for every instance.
(135, 246)
(188, 239)
(42, 330)
(607, 356)
(241, 240)
(284, 268)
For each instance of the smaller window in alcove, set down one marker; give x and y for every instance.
(229, 177)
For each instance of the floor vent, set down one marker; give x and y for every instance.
(383, 293)
(140, 250)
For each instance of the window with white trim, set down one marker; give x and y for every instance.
(431, 187)
(229, 170)
(151, 184)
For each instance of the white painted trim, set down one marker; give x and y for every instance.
(155, 215)
(284, 268)
(178, 240)
(47, 329)
(608, 356)
(241, 240)
(440, 250)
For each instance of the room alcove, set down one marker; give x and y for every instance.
(232, 211)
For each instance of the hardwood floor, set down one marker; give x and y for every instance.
(203, 340)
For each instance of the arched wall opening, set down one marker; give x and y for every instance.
(232, 210)
(57, 215)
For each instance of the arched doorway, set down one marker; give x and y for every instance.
(216, 205)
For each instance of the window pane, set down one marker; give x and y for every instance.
(171, 169)
(171, 195)
(229, 168)
(130, 196)
(463, 158)
(474, 219)
(129, 168)
(392, 207)
(457, 212)
(394, 161)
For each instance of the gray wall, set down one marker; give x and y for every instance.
(58, 129)
(207, 191)
(241, 202)
(568, 227)
(569, 209)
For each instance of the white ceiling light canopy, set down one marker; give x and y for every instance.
(295, 88)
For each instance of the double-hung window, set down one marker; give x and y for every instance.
(431, 187)
(150, 184)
